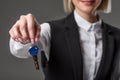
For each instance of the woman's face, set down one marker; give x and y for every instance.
(86, 6)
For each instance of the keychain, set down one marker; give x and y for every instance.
(34, 50)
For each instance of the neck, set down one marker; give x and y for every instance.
(93, 17)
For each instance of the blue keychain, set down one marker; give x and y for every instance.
(34, 50)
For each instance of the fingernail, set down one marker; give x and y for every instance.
(20, 40)
(27, 40)
(17, 40)
(36, 39)
(32, 41)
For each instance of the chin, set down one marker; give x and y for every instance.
(87, 10)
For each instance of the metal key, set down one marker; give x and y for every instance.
(34, 51)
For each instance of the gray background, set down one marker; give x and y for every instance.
(12, 68)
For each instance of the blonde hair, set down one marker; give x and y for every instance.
(105, 6)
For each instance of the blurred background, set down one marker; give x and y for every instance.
(12, 68)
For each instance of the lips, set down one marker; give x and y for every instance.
(88, 2)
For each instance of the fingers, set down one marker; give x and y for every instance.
(25, 29)
(37, 36)
(31, 27)
(14, 31)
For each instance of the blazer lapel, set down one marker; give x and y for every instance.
(108, 51)
(73, 42)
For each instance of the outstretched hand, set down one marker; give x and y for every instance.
(25, 30)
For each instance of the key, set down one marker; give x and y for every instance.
(34, 51)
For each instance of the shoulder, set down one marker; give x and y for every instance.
(62, 21)
(58, 22)
(113, 29)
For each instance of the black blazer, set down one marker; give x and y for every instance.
(66, 61)
(116, 68)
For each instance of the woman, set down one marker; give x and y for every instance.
(79, 47)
